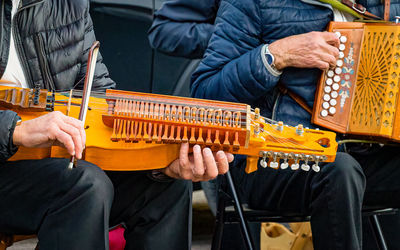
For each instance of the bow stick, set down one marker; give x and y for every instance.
(87, 88)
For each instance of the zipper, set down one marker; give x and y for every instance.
(275, 106)
(18, 44)
(2, 23)
(43, 63)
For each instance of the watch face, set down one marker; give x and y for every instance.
(270, 59)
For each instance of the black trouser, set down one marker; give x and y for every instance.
(69, 209)
(333, 197)
(157, 215)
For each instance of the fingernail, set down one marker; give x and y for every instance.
(230, 157)
(196, 148)
(207, 151)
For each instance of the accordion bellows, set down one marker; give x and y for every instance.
(360, 95)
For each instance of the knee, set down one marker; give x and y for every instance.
(344, 171)
(94, 183)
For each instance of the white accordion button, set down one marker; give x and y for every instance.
(335, 86)
(329, 81)
(327, 97)
(330, 73)
(337, 33)
(342, 47)
(334, 94)
(324, 113)
(332, 110)
(325, 105)
(336, 78)
(339, 63)
(341, 54)
(327, 89)
(333, 102)
(343, 39)
(338, 71)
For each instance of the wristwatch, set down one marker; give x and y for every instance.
(269, 61)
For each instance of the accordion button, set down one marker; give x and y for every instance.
(330, 73)
(327, 89)
(327, 97)
(338, 71)
(334, 94)
(324, 113)
(336, 78)
(343, 39)
(342, 46)
(339, 63)
(332, 110)
(337, 33)
(329, 81)
(341, 54)
(333, 102)
(325, 105)
(335, 86)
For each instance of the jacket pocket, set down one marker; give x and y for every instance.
(43, 63)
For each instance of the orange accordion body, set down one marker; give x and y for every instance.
(360, 96)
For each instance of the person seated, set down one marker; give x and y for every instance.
(45, 45)
(257, 45)
(183, 27)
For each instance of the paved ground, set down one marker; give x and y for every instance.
(203, 222)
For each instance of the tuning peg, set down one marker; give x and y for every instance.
(279, 127)
(305, 165)
(315, 166)
(256, 113)
(274, 164)
(295, 165)
(300, 129)
(285, 164)
(263, 163)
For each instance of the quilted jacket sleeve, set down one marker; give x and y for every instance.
(232, 69)
(183, 27)
(101, 80)
(8, 119)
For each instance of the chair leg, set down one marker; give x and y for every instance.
(238, 207)
(377, 231)
(219, 225)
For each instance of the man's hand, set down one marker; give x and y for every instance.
(52, 129)
(202, 165)
(309, 50)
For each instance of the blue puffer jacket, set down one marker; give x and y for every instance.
(183, 27)
(232, 69)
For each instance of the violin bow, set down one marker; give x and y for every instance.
(87, 88)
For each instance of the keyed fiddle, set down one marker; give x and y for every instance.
(137, 131)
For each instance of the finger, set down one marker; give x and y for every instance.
(223, 164)
(322, 65)
(79, 125)
(331, 60)
(66, 140)
(185, 170)
(198, 167)
(230, 157)
(331, 38)
(211, 165)
(76, 137)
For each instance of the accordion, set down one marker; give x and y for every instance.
(360, 96)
